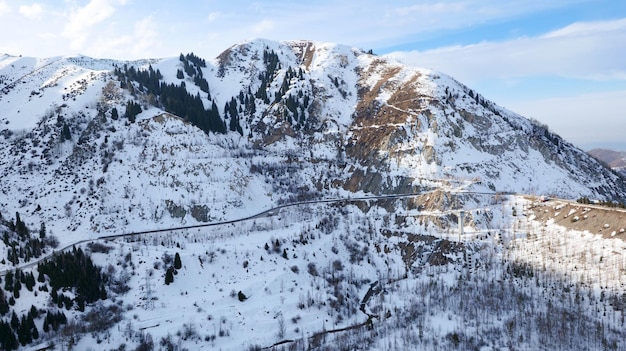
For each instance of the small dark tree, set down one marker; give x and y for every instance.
(177, 263)
(114, 114)
(20, 226)
(241, 296)
(66, 134)
(15, 322)
(169, 276)
(4, 304)
(42, 230)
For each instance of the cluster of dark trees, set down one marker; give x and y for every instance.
(22, 330)
(295, 108)
(132, 110)
(14, 281)
(21, 244)
(230, 110)
(24, 327)
(586, 200)
(173, 270)
(67, 270)
(149, 80)
(193, 65)
(75, 269)
(17, 331)
(272, 64)
(174, 98)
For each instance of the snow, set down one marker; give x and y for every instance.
(116, 177)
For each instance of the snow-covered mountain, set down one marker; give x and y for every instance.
(329, 119)
(92, 148)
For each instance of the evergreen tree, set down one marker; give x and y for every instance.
(23, 332)
(8, 341)
(114, 114)
(74, 270)
(66, 134)
(169, 276)
(15, 322)
(20, 226)
(132, 110)
(29, 281)
(177, 263)
(8, 281)
(41, 278)
(179, 74)
(4, 304)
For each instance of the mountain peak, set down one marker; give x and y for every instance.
(378, 126)
(317, 183)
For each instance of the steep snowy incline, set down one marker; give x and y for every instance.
(421, 123)
(304, 120)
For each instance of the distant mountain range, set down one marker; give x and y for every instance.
(614, 159)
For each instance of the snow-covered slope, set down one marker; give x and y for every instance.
(378, 126)
(268, 123)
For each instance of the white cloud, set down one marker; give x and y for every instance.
(145, 36)
(140, 42)
(588, 28)
(83, 19)
(4, 9)
(584, 50)
(263, 26)
(213, 16)
(31, 12)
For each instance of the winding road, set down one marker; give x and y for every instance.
(266, 213)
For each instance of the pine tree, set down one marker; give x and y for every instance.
(15, 322)
(42, 230)
(177, 263)
(8, 281)
(8, 341)
(23, 332)
(66, 134)
(132, 110)
(169, 276)
(20, 226)
(4, 304)
(114, 114)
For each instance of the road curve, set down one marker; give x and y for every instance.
(269, 212)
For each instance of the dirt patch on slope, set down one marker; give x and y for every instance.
(305, 51)
(378, 125)
(608, 222)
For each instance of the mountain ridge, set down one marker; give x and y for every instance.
(381, 127)
(95, 148)
(615, 159)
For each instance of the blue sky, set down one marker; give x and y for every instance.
(562, 62)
